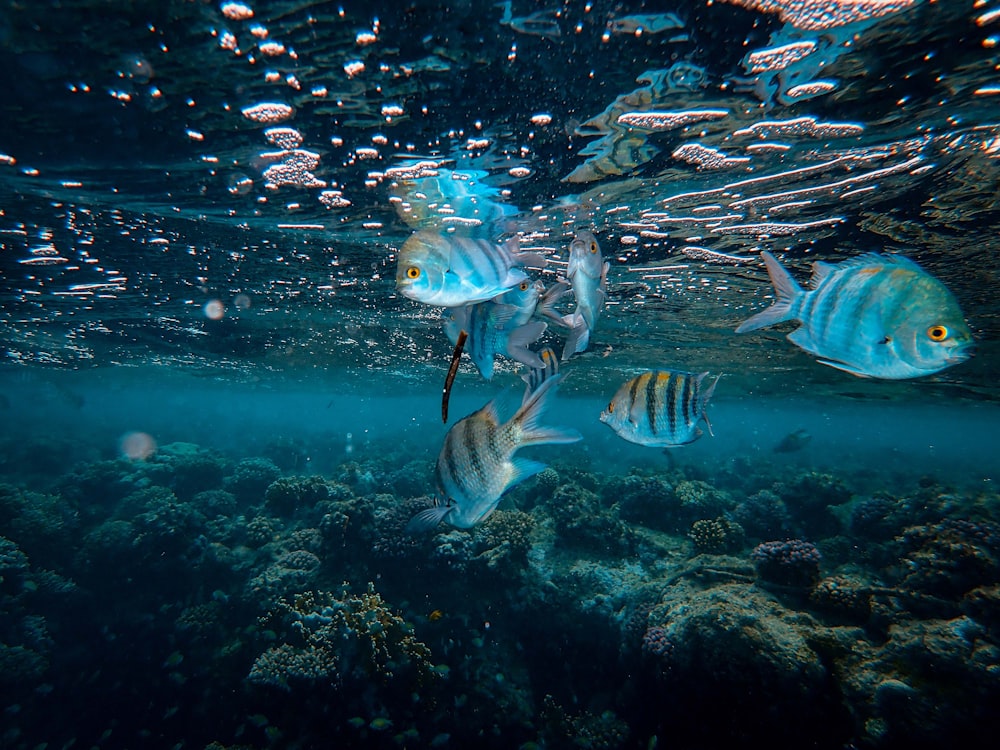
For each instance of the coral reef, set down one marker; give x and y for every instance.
(792, 562)
(250, 479)
(580, 519)
(717, 536)
(700, 500)
(216, 580)
(951, 557)
(350, 637)
(286, 495)
(763, 515)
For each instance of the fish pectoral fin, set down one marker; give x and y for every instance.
(524, 468)
(428, 519)
(520, 339)
(844, 367)
(801, 338)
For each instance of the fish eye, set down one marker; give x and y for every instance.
(611, 408)
(524, 286)
(413, 272)
(593, 247)
(937, 333)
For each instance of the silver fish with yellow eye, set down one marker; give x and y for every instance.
(451, 271)
(532, 299)
(879, 316)
(660, 408)
(588, 275)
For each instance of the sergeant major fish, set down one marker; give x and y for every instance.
(477, 465)
(875, 316)
(492, 329)
(588, 275)
(531, 299)
(450, 271)
(660, 408)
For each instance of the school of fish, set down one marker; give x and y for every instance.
(875, 316)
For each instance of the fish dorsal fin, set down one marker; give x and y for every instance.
(821, 270)
(502, 313)
(491, 412)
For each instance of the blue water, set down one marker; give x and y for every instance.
(217, 414)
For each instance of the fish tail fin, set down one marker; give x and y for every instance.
(578, 338)
(787, 291)
(520, 339)
(538, 375)
(427, 519)
(710, 390)
(546, 303)
(512, 248)
(527, 420)
(704, 400)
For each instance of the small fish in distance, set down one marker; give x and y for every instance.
(792, 442)
(660, 408)
(879, 316)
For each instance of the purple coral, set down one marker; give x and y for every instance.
(656, 643)
(791, 562)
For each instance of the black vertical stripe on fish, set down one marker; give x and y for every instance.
(687, 402)
(672, 385)
(451, 465)
(496, 261)
(497, 453)
(633, 393)
(450, 377)
(652, 405)
(472, 449)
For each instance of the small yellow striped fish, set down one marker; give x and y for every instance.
(660, 408)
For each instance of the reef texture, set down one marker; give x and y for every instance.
(231, 602)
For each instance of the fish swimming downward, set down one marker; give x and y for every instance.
(879, 316)
(450, 271)
(588, 275)
(660, 408)
(477, 465)
(492, 329)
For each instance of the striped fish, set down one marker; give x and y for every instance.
(451, 271)
(477, 465)
(875, 316)
(534, 377)
(660, 408)
(492, 329)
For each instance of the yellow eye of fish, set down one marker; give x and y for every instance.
(412, 272)
(593, 247)
(611, 408)
(937, 333)
(524, 286)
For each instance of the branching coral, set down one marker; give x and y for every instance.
(717, 535)
(346, 637)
